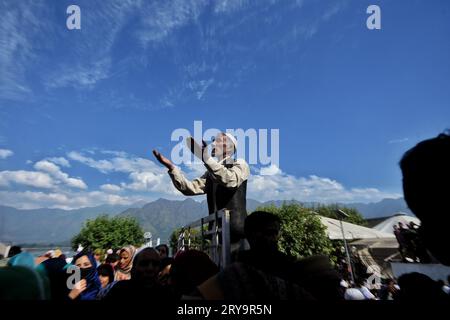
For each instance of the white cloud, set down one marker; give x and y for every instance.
(152, 181)
(101, 165)
(64, 200)
(110, 188)
(270, 170)
(398, 140)
(60, 161)
(122, 154)
(118, 164)
(60, 176)
(144, 174)
(281, 186)
(27, 178)
(5, 153)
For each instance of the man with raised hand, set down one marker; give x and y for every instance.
(224, 182)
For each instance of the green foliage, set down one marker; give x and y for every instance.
(330, 211)
(196, 241)
(302, 233)
(105, 232)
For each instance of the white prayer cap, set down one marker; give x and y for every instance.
(232, 138)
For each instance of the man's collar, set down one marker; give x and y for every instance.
(223, 160)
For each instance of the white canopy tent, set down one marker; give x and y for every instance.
(388, 224)
(351, 231)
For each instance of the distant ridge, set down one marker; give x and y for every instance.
(159, 217)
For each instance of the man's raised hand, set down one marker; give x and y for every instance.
(201, 152)
(163, 160)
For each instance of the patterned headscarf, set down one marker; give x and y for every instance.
(123, 271)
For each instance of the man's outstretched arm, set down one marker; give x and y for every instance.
(186, 187)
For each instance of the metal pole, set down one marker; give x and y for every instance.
(349, 263)
(226, 247)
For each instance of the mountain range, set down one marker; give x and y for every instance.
(160, 217)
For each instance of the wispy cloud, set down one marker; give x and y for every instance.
(398, 140)
(229, 6)
(19, 25)
(92, 50)
(163, 17)
(200, 87)
(84, 75)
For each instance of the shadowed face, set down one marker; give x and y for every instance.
(104, 280)
(162, 251)
(222, 146)
(265, 238)
(146, 266)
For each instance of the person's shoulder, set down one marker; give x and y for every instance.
(241, 161)
(242, 164)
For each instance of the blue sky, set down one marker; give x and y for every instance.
(81, 110)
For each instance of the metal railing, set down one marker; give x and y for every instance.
(218, 234)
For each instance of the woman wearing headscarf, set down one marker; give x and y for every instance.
(123, 269)
(143, 285)
(19, 280)
(89, 285)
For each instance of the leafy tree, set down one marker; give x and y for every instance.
(302, 233)
(105, 232)
(196, 241)
(330, 211)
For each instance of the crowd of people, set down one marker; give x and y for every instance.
(411, 247)
(262, 272)
(130, 273)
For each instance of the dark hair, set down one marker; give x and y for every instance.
(163, 246)
(87, 253)
(426, 174)
(111, 258)
(426, 171)
(106, 270)
(14, 250)
(259, 219)
(191, 268)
